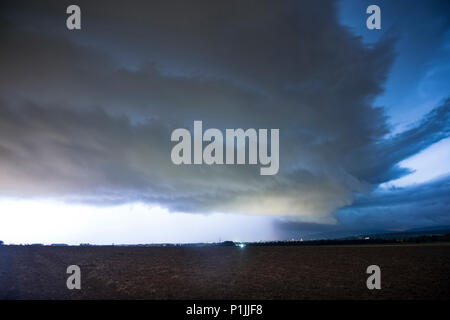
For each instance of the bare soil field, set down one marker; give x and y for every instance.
(301, 272)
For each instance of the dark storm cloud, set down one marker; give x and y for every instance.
(425, 204)
(87, 115)
(434, 127)
(385, 210)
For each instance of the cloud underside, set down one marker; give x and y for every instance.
(88, 116)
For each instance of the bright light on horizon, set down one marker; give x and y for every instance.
(47, 222)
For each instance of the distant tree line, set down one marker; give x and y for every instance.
(419, 239)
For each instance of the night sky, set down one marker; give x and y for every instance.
(86, 118)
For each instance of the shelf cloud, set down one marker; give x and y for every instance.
(86, 116)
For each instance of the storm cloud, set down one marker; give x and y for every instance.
(87, 115)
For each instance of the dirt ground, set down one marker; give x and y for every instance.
(313, 272)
